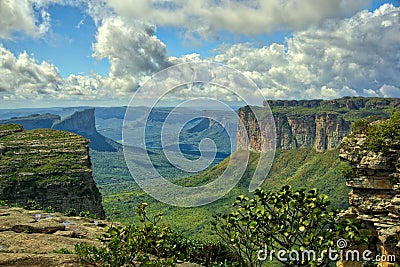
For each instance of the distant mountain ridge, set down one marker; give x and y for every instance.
(81, 122)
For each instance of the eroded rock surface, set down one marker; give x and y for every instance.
(375, 194)
(36, 238)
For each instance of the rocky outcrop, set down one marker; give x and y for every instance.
(350, 103)
(79, 122)
(83, 123)
(37, 238)
(51, 167)
(321, 131)
(318, 124)
(375, 196)
(34, 121)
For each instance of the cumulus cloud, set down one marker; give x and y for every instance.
(356, 56)
(132, 49)
(24, 16)
(236, 16)
(23, 78)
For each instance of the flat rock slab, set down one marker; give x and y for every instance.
(35, 260)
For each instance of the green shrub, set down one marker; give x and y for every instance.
(71, 212)
(380, 135)
(88, 214)
(288, 220)
(148, 244)
(33, 205)
(50, 209)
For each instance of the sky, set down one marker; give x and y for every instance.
(99, 52)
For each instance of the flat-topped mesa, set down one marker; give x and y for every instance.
(48, 166)
(320, 131)
(318, 124)
(374, 178)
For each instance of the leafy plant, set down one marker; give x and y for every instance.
(381, 134)
(49, 209)
(88, 214)
(33, 205)
(286, 220)
(147, 244)
(71, 212)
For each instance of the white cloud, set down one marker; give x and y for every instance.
(132, 49)
(390, 91)
(23, 78)
(236, 16)
(24, 16)
(355, 56)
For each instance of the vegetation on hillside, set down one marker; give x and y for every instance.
(300, 168)
(286, 220)
(380, 134)
(298, 223)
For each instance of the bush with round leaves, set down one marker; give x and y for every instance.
(287, 220)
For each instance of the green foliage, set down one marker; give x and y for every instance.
(71, 212)
(284, 220)
(380, 135)
(50, 209)
(148, 244)
(87, 214)
(63, 251)
(299, 168)
(33, 205)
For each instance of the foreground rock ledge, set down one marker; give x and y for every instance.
(31, 238)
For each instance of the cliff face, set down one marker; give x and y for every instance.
(320, 131)
(318, 124)
(51, 167)
(79, 122)
(374, 179)
(83, 123)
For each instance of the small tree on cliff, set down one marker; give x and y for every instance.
(292, 221)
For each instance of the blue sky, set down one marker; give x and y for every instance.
(92, 52)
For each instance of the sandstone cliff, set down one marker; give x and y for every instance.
(83, 123)
(51, 167)
(318, 124)
(374, 179)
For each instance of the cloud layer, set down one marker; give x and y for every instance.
(236, 16)
(355, 56)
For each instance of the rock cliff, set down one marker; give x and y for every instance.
(318, 124)
(51, 167)
(83, 123)
(374, 179)
(79, 122)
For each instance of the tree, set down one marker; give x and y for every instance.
(294, 222)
